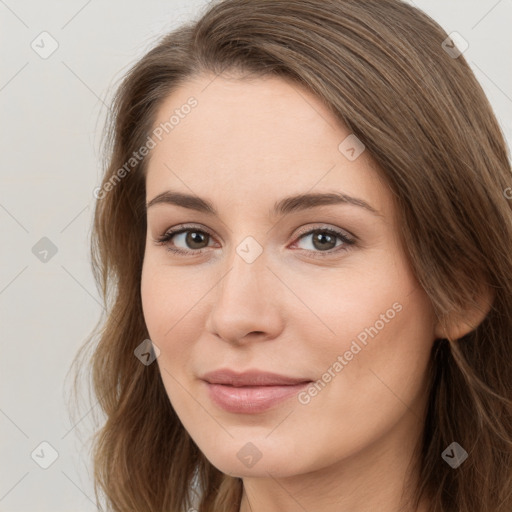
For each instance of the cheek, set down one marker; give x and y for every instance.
(358, 302)
(166, 308)
(169, 294)
(372, 375)
(155, 296)
(382, 331)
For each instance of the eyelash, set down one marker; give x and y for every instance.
(167, 236)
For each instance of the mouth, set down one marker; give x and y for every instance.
(251, 392)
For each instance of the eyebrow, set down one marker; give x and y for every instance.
(282, 207)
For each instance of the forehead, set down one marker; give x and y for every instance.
(261, 137)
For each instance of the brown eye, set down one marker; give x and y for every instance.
(325, 240)
(195, 239)
(185, 240)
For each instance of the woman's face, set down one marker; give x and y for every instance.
(316, 290)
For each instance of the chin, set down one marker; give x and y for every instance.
(257, 458)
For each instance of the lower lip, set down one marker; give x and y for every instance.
(251, 399)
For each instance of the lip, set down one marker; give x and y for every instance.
(252, 391)
(229, 377)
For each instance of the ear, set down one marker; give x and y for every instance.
(459, 323)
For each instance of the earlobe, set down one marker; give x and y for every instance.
(460, 323)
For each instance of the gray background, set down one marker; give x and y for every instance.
(52, 112)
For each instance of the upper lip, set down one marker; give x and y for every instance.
(250, 378)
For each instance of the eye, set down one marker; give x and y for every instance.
(192, 238)
(325, 240)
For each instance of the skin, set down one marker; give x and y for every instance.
(247, 144)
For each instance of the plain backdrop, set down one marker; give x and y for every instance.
(52, 112)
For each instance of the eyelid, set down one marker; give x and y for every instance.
(326, 227)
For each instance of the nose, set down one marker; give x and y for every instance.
(245, 303)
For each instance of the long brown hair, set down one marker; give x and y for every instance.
(381, 67)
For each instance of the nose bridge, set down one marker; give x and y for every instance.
(247, 277)
(244, 299)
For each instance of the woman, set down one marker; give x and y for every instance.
(244, 367)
